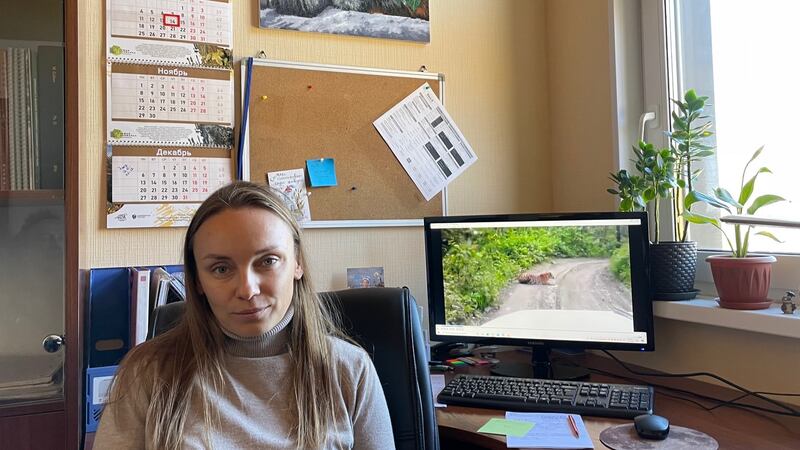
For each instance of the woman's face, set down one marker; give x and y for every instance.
(246, 268)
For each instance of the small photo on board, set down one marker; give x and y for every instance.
(363, 277)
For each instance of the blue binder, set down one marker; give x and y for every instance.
(98, 384)
(108, 315)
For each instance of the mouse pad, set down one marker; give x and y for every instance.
(624, 437)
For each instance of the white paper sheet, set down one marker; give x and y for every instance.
(551, 430)
(437, 384)
(426, 141)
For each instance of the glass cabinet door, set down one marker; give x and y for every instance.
(31, 201)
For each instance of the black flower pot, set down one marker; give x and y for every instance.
(672, 270)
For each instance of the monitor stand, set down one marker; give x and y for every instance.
(540, 367)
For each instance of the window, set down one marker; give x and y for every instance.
(743, 56)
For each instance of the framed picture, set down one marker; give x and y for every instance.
(406, 20)
(364, 277)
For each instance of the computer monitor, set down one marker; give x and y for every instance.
(571, 280)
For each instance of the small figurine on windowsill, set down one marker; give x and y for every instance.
(787, 303)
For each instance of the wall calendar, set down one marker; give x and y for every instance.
(169, 109)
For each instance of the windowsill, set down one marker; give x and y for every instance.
(706, 311)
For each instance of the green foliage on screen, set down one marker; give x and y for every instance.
(621, 264)
(479, 263)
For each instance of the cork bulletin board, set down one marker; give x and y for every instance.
(301, 111)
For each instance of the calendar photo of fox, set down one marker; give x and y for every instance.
(393, 19)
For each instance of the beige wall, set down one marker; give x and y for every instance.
(580, 90)
(494, 62)
(528, 82)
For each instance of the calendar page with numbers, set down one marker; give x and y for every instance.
(177, 179)
(204, 21)
(169, 105)
(169, 108)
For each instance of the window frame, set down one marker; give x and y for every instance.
(658, 64)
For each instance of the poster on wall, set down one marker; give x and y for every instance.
(169, 108)
(407, 20)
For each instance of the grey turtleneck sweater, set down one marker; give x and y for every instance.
(255, 406)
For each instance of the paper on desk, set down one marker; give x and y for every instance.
(426, 141)
(551, 431)
(506, 427)
(437, 384)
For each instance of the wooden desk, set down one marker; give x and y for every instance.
(733, 428)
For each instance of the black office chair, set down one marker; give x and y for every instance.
(385, 322)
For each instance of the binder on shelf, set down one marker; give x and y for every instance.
(140, 304)
(50, 88)
(98, 386)
(159, 287)
(5, 171)
(177, 288)
(108, 336)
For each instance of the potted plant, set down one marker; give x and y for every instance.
(663, 174)
(742, 280)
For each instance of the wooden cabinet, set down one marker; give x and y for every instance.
(40, 404)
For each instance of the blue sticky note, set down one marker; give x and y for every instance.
(322, 172)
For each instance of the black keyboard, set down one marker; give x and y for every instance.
(531, 394)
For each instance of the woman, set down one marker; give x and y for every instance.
(256, 361)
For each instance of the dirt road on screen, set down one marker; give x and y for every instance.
(580, 283)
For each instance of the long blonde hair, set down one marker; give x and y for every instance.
(188, 359)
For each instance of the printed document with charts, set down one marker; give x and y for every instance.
(426, 141)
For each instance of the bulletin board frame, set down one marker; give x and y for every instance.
(342, 102)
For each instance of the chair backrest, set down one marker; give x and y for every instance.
(385, 322)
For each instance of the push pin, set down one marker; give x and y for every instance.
(787, 303)
(264, 97)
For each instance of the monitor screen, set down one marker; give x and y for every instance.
(553, 280)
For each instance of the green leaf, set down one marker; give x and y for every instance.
(764, 200)
(703, 154)
(700, 219)
(770, 235)
(626, 205)
(649, 194)
(747, 189)
(755, 155)
(726, 197)
(681, 184)
(690, 96)
(696, 105)
(696, 196)
(612, 191)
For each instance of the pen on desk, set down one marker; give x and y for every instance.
(573, 426)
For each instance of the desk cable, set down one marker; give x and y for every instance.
(789, 411)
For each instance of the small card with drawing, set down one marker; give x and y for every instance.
(292, 184)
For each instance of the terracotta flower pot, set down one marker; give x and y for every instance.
(742, 283)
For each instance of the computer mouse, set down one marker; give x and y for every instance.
(651, 426)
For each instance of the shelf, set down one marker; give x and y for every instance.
(706, 311)
(38, 197)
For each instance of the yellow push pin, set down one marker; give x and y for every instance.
(264, 97)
